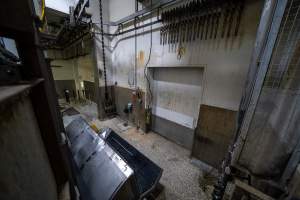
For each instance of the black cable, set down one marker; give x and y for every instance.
(145, 68)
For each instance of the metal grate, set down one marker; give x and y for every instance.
(275, 123)
(284, 70)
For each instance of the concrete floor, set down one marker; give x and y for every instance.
(180, 177)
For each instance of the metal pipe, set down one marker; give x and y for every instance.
(108, 34)
(146, 10)
(132, 29)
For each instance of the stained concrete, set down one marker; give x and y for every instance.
(178, 89)
(226, 60)
(173, 131)
(179, 134)
(180, 177)
(213, 134)
(89, 88)
(123, 96)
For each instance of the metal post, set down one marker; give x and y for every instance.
(276, 9)
(270, 24)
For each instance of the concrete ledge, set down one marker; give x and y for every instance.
(177, 133)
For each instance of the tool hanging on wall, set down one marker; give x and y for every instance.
(240, 9)
(201, 19)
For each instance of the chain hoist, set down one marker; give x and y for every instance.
(103, 51)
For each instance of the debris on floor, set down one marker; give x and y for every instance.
(206, 182)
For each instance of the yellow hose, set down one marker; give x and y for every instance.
(42, 17)
(43, 10)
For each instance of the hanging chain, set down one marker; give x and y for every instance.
(103, 50)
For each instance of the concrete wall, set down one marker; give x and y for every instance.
(64, 70)
(62, 85)
(224, 64)
(226, 60)
(89, 88)
(64, 77)
(213, 134)
(177, 94)
(85, 68)
(72, 73)
(175, 100)
(122, 97)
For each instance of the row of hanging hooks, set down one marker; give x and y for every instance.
(201, 19)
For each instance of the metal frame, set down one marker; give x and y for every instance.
(80, 9)
(23, 29)
(291, 166)
(259, 77)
